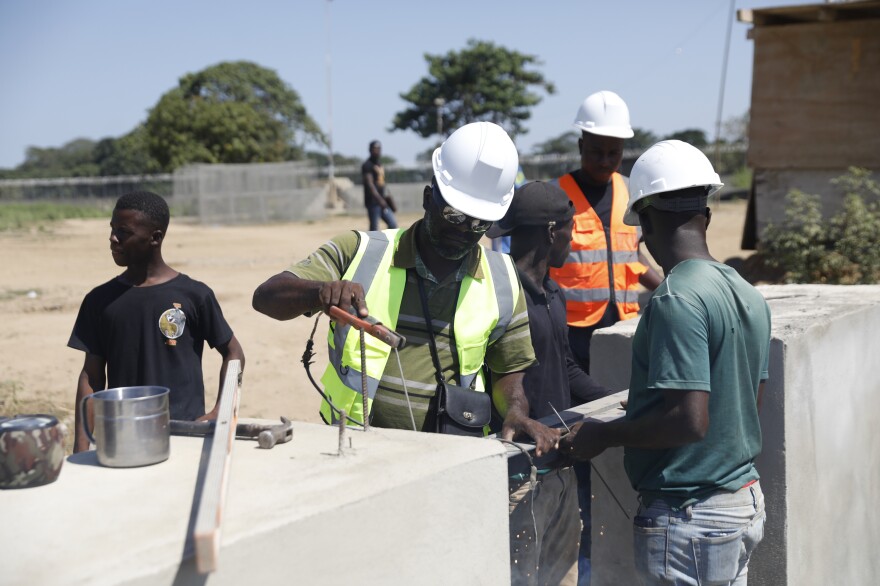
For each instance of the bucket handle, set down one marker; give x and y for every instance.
(85, 419)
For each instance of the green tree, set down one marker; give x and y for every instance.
(321, 159)
(564, 144)
(482, 82)
(233, 112)
(126, 155)
(74, 159)
(693, 136)
(642, 139)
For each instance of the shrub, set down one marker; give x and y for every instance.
(844, 251)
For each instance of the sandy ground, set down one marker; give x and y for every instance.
(49, 270)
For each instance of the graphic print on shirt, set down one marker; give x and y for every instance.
(172, 323)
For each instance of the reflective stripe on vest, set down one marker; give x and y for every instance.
(585, 277)
(483, 312)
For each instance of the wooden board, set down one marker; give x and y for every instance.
(815, 96)
(206, 534)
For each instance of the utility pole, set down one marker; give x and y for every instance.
(439, 103)
(723, 80)
(331, 184)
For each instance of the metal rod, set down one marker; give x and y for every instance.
(341, 424)
(405, 392)
(364, 382)
(596, 470)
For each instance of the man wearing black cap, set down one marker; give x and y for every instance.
(539, 222)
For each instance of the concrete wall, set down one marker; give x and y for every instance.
(819, 467)
(400, 508)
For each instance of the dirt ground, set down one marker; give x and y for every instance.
(49, 270)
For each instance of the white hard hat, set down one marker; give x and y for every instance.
(606, 114)
(476, 170)
(669, 165)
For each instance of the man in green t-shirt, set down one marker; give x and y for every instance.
(700, 359)
(475, 303)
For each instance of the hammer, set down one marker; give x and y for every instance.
(267, 434)
(369, 325)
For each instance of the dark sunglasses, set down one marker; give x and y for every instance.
(455, 217)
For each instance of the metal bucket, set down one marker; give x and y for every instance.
(131, 425)
(31, 450)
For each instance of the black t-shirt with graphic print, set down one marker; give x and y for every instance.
(153, 336)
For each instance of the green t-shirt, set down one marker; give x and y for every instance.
(511, 352)
(704, 329)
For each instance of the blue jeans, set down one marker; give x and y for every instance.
(708, 543)
(374, 212)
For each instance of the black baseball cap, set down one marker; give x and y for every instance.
(534, 204)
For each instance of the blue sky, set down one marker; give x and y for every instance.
(93, 68)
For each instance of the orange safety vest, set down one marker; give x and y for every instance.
(586, 275)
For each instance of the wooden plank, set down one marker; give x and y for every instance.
(815, 91)
(206, 534)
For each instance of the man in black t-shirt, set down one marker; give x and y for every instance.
(148, 326)
(376, 197)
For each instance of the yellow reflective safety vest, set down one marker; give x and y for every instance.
(591, 277)
(482, 314)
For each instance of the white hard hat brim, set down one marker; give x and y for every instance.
(630, 218)
(613, 131)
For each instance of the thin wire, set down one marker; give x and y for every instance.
(307, 361)
(533, 484)
(646, 72)
(405, 392)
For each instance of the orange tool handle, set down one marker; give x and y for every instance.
(368, 325)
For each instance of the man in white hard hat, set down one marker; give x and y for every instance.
(700, 359)
(435, 272)
(601, 276)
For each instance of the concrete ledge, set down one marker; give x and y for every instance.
(819, 419)
(402, 507)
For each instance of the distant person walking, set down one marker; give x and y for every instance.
(376, 197)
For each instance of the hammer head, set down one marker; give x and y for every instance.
(276, 434)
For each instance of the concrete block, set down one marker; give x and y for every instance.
(819, 419)
(400, 508)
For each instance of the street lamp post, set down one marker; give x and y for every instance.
(439, 103)
(331, 183)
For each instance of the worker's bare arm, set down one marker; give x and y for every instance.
(286, 296)
(681, 419)
(91, 379)
(511, 401)
(231, 350)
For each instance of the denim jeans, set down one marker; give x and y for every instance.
(374, 212)
(705, 544)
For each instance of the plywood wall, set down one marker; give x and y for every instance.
(816, 96)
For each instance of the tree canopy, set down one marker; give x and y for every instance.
(693, 136)
(482, 82)
(126, 155)
(233, 112)
(73, 159)
(564, 144)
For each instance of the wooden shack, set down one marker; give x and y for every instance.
(815, 108)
